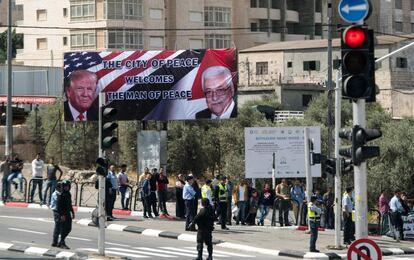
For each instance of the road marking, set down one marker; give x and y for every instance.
(115, 244)
(187, 237)
(166, 252)
(5, 246)
(36, 251)
(24, 218)
(250, 249)
(227, 253)
(116, 227)
(191, 251)
(79, 238)
(64, 254)
(141, 252)
(151, 232)
(113, 252)
(28, 231)
(21, 242)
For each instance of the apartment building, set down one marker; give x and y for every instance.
(58, 26)
(296, 71)
(17, 14)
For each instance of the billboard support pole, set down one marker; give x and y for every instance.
(274, 171)
(307, 166)
(101, 199)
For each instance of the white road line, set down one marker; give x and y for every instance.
(151, 232)
(21, 242)
(36, 251)
(116, 227)
(113, 252)
(226, 253)
(79, 238)
(116, 244)
(166, 251)
(84, 221)
(24, 218)
(5, 246)
(192, 251)
(28, 231)
(141, 252)
(65, 254)
(187, 237)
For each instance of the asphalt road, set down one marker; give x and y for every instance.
(34, 227)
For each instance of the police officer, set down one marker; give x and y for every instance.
(205, 222)
(314, 214)
(54, 202)
(221, 192)
(66, 212)
(349, 225)
(206, 192)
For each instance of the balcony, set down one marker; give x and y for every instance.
(292, 16)
(261, 13)
(261, 37)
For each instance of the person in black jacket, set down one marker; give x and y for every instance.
(205, 222)
(66, 212)
(153, 196)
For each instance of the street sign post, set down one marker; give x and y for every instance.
(364, 249)
(353, 11)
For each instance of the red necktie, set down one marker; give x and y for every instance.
(81, 117)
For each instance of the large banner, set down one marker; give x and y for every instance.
(152, 85)
(289, 147)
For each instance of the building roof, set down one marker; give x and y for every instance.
(315, 44)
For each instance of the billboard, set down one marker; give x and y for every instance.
(152, 85)
(152, 149)
(289, 147)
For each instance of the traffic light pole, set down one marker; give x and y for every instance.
(360, 178)
(308, 166)
(101, 199)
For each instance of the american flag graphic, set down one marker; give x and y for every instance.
(113, 79)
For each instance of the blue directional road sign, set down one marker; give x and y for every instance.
(353, 11)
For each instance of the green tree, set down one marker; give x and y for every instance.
(17, 43)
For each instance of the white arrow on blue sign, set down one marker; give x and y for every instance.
(353, 11)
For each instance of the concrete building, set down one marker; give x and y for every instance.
(17, 14)
(160, 24)
(296, 71)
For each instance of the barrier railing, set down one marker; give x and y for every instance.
(15, 190)
(137, 198)
(88, 195)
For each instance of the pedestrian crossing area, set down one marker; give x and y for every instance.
(165, 253)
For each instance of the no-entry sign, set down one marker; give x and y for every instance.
(364, 249)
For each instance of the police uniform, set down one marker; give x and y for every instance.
(66, 210)
(54, 202)
(222, 205)
(206, 193)
(205, 222)
(314, 215)
(349, 225)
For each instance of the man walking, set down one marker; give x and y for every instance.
(205, 223)
(112, 192)
(162, 185)
(347, 207)
(397, 209)
(123, 186)
(283, 193)
(297, 194)
(54, 203)
(5, 186)
(37, 177)
(241, 198)
(67, 213)
(328, 200)
(314, 214)
(222, 198)
(51, 170)
(189, 198)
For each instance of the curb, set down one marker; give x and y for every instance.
(38, 251)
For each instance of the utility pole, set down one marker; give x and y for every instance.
(101, 199)
(330, 87)
(308, 172)
(9, 112)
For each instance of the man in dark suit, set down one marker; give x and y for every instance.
(217, 84)
(80, 90)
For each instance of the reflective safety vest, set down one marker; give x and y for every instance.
(312, 214)
(204, 190)
(222, 192)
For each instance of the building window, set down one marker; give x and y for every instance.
(402, 63)
(217, 16)
(196, 16)
(133, 39)
(263, 25)
(412, 27)
(41, 15)
(336, 64)
(65, 41)
(253, 27)
(261, 68)
(41, 44)
(156, 42)
(133, 9)
(289, 64)
(65, 12)
(155, 14)
(412, 5)
(311, 65)
(306, 99)
(82, 40)
(262, 3)
(398, 4)
(196, 43)
(82, 10)
(398, 26)
(218, 41)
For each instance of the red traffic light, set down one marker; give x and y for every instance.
(354, 37)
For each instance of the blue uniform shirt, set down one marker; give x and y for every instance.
(54, 200)
(188, 192)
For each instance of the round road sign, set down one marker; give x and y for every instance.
(364, 249)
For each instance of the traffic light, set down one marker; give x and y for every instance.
(102, 168)
(346, 166)
(359, 136)
(358, 63)
(108, 126)
(330, 165)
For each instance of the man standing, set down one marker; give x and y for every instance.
(66, 212)
(5, 186)
(397, 209)
(328, 200)
(347, 207)
(189, 198)
(297, 194)
(162, 185)
(112, 192)
(230, 188)
(51, 170)
(383, 206)
(146, 195)
(37, 177)
(241, 198)
(54, 203)
(141, 180)
(80, 88)
(282, 192)
(123, 186)
(314, 214)
(153, 187)
(217, 84)
(222, 206)
(205, 223)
